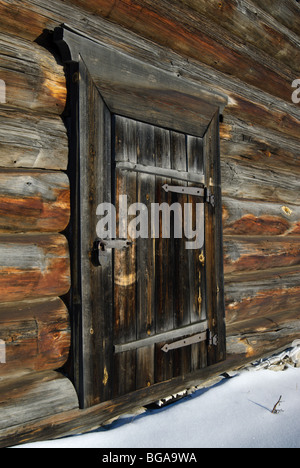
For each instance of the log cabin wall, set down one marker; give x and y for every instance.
(249, 51)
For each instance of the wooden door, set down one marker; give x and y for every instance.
(151, 316)
(157, 293)
(159, 283)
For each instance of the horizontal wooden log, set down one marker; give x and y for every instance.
(244, 217)
(285, 12)
(262, 294)
(259, 147)
(247, 102)
(36, 336)
(182, 31)
(246, 254)
(32, 76)
(34, 201)
(33, 397)
(34, 141)
(33, 266)
(252, 25)
(261, 338)
(260, 113)
(244, 181)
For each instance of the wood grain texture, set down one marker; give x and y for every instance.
(36, 334)
(258, 146)
(246, 51)
(259, 339)
(262, 294)
(32, 140)
(33, 397)
(256, 110)
(164, 24)
(285, 12)
(33, 78)
(244, 181)
(33, 266)
(245, 217)
(129, 88)
(250, 22)
(31, 19)
(248, 254)
(33, 201)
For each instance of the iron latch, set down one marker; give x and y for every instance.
(102, 248)
(204, 193)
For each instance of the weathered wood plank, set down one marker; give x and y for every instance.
(34, 201)
(93, 285)
(246, 254)
(197, 279)
(286, 12)
(258, 147)
(145, 299)
(164, 252)
(214, 243)
(125, 275)
(145, 243)
(252, 25)
(262, 294)
(180, 260)
(244, 181)
(34, 397)
(260, 339)
(32, 19)
(31, 140)
(124, 85)
(259, 218)
(164, 24)
(164, 248)
(33, 14)
(33, 266)
(33, 78)
(36, 335)
(256, 109)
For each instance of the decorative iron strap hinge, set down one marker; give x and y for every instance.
(204, 193)
(208, 336)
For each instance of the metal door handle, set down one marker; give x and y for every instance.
(102, 247)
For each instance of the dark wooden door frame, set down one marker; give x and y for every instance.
(103, 82)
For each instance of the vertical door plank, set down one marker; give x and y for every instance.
(196, 267)
(164, 246)
(180, 260)
(125, 278)
(214, 244)
(164, 251)
(96, 282)
(145, 258)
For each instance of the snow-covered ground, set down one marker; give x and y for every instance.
(234, 413)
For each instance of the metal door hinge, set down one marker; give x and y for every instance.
(204, 193)
(102, 248)
(200, 337)
(213, 339)
(208, 336)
